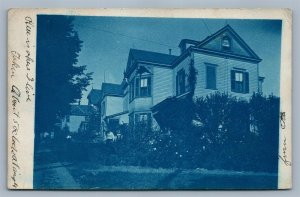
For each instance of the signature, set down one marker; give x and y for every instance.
(16, 97)
(284, 156)
(15, 64)
(29, 60)
(282, 120)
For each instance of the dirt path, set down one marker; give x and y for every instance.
(55, 176)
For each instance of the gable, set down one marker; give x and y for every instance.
(81, 110)
(238, 46)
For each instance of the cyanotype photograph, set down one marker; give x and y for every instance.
(157, 103)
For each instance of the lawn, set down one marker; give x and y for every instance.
(130, 177)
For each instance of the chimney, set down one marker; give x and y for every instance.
(170, 51)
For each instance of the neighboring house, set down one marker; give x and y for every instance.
(223, 61)
(78, 114)
(94, 97)
(112, 111)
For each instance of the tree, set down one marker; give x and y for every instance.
(59, 80)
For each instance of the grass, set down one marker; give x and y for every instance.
(128, 178)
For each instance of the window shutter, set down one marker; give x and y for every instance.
(232, 80)
(246, 77)
(149, 86)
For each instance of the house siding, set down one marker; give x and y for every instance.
(75, 123)
(162, 84)
(223, 68)
(140, 104)
(113, 105)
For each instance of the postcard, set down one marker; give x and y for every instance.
(149, 99)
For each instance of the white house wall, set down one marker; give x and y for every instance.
(74, 123)
(114, 105)
(162, 84)
(140, 104)
(224, 66)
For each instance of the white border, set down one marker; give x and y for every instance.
(15, 28)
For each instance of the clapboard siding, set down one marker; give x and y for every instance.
(162, 84)
(114, 105)
(223, 68)
(140, 104)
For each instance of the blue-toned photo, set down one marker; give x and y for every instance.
(137, 103)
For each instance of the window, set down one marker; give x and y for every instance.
(143, 118)
(211, 79)
(180, 82)
(140, 87)
(226, 43)
(145, 89)
(239, 81)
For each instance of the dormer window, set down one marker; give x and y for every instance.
(226, 43)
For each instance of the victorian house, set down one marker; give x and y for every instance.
(223, 61)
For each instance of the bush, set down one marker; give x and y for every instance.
(221, 132)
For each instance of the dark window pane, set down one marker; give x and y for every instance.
(181, 82)
(137, 87)
(239, 81)
(211, 77)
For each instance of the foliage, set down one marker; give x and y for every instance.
(223, 132)
(60, 81)
(192, 77)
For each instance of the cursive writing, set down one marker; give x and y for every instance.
(284, 152)
(29, 60)
(15, 63)
(284, 157)
(15, 101)
(282, 120)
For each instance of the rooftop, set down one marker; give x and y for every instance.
(94, 96)
(81, 110)
(154, 57)
(110, 89)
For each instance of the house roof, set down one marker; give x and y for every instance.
(154, 57)
(235, 36)
(188, 41)
(110, 89)
(142, 56)
(94, 96)
(244, 53)
(81, 110)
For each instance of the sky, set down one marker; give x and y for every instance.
(107, 41)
